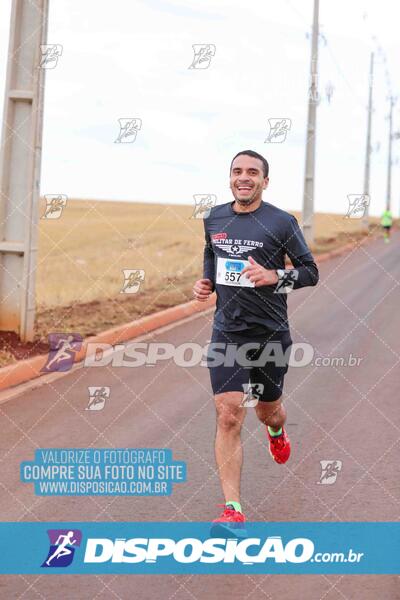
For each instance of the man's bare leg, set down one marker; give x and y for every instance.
(271, 413)
(228, 446)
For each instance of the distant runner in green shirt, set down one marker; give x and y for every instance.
(386, 222)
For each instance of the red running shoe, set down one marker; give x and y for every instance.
(230, 515)
(279, 447)
(231, 522)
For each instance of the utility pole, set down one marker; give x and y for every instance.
(308, 198)
(389, 168)
(365, 219)
(20, 157)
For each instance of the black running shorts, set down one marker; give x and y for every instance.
(235, 359)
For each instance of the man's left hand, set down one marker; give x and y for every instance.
(260, 275)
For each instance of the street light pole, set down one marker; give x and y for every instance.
(368, 146)
(389, 166)
(308, 198)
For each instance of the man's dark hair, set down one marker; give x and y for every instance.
(254, 155)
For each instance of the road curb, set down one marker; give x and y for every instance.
(31, 368)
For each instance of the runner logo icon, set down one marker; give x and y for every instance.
(63, 347)
(62, 547)
(251, 394)
(97, 397)
(329, 471)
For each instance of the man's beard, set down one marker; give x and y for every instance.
(245, 201)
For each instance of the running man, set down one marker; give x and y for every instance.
(62, 542)
(386, 222)
(244, 263)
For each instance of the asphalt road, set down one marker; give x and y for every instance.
(343, 413)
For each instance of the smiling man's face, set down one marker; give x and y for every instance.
(247, 180)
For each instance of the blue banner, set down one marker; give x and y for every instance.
(199, 548)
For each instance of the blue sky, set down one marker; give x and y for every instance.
(130, 59)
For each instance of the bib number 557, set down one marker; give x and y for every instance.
(230, 276)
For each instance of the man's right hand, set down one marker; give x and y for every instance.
(202, 289)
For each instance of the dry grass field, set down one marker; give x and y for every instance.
(83, 253)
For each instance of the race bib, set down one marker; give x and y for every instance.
(229, 272)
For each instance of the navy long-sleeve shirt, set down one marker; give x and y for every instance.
(267, 234)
